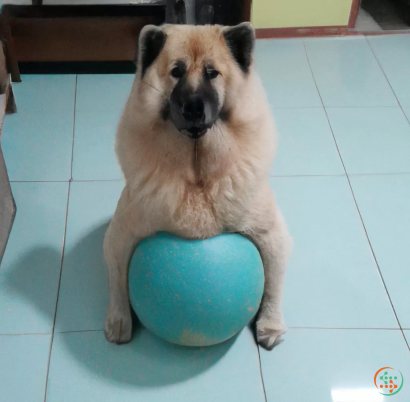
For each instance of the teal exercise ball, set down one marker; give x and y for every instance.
(196, 292)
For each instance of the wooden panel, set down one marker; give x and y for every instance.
(101, 2)
(10, 51)
(77, 39)
(82, 11)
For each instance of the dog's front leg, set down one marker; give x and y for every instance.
(126, 230)
(274, 244)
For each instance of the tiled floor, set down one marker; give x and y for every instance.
(342, 179)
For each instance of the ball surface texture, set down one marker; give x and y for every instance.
(196, 292)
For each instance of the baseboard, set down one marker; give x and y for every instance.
(304, 32)
(105, 67)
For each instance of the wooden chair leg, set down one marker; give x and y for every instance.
(10, 50)
(7, 204)
(11, 103)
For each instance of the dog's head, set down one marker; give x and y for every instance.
(194, 68)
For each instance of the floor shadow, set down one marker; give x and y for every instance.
(147, 361)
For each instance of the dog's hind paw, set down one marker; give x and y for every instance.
(269, 336)
(118, 326)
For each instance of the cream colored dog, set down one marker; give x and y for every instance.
(195, 143)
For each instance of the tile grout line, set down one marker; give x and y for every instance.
(97, 180)
(63, 245)
(342, 174)
(378, 174)
(307, 175)
(271, 176)
(387, 79)
(27, 334)
(58, 291)
(76, 331)
(39, 181)
(362, 107)
(261, 373)
(290, 327)
(350, 328)
(408, 121)
(74, 116)
(329, 107)
(66, 181)
(355, 201)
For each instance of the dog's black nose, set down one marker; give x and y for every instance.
(193, 110)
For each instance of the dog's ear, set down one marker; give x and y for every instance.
(151, 42)
(240, 40)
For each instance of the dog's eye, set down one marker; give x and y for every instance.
(211, 73)
(177, 72)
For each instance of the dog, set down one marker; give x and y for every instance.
(195, 143)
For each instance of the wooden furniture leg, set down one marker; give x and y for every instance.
(8, 44)
(7, 204)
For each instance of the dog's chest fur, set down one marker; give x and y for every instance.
(196, 200)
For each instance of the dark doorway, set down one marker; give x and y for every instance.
(383, 15)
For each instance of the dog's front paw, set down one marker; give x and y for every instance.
(269, 332)
(118, 325)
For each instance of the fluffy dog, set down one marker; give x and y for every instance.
(195, 142)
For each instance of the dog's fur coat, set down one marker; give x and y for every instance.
(226, 191)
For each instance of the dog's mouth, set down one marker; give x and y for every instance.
(194, 132)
